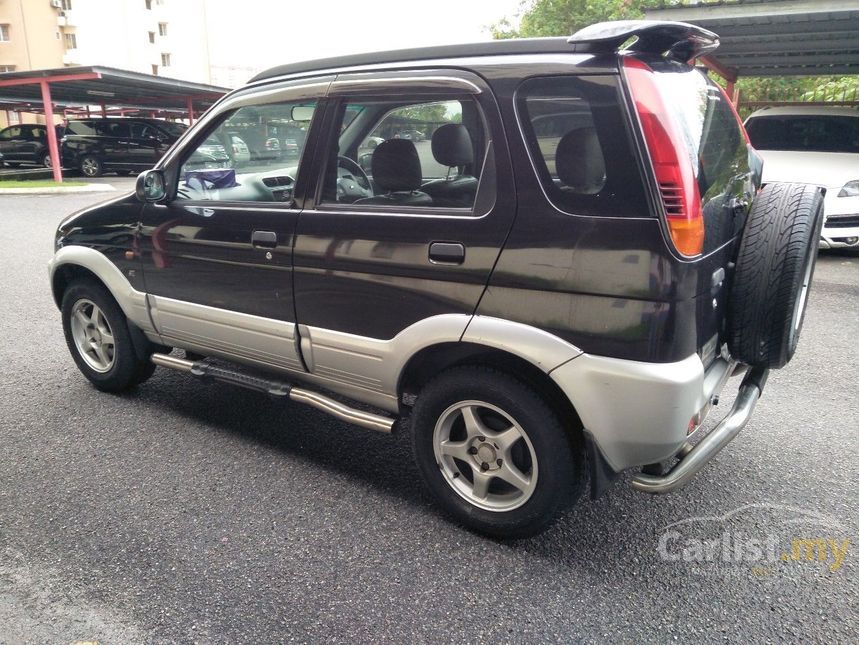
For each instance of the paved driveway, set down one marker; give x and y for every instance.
(188, 513)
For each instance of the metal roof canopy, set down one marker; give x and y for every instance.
(776, 37)
(101, 85)
(107, 85)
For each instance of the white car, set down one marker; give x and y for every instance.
(241, 154)
(814, 145)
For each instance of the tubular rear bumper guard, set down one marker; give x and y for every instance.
(696, 458)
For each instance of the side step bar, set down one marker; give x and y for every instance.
(205, 370)
(694, 459)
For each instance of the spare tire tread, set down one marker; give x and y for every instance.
(784, 221)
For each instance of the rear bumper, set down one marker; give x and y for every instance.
(639, 413)
(695, 458)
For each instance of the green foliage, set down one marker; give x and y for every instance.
(434, 113)
(563, 17)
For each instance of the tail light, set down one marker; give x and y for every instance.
(672, 166)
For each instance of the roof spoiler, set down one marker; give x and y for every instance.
(677, 40)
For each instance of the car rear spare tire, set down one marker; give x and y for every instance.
(773, 274)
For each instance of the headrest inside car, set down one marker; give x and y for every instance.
(579, 161)
(395, 165)
(452, 146)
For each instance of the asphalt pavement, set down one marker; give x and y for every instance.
(183, 512)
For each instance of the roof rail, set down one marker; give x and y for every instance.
(677, 40)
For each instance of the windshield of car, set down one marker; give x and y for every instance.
(804, 133)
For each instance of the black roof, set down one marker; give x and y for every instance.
(490, 48)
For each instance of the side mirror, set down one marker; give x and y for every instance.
(150, 186)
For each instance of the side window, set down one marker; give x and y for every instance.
(252, 156)
(81, 128)
(576, 135)
(12, 133)
(401, 153)
(115, 129)
(37, 134)
(143, 131)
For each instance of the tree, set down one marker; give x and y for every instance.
(564, 17)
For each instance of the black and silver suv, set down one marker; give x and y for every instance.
(551, 286)
(122, 145)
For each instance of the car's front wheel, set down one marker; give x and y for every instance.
(493, 453)
(99, 340)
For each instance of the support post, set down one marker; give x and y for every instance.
(104, 111)
(53, 148)
(190, 104)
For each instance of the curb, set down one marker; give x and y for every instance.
(57, 190)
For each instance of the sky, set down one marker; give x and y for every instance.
(258, 34)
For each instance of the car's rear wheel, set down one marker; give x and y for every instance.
(45, 159)
(99, 340)
(493, 453)
(91, 166)
(773, 274)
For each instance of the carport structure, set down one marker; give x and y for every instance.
(774, 37)
(46, 90)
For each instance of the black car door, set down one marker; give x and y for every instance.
(114, 136)
(217, 258)
(11, 140)
(369, 265)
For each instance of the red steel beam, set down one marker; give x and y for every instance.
(728, 73)
(53, 148)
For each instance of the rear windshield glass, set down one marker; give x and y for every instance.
(804, 133)
(579, 145)
(715, 141)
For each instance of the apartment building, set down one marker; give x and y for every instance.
(163, 37)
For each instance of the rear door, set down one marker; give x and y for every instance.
(366, 270)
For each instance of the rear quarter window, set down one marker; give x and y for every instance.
(580, 146)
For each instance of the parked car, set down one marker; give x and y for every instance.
(239, 151)
(814, 145)
(536, 319)
(122, 145)
(411, 135)
(26, 144)
(209, 154)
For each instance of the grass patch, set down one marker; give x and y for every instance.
(37, 183)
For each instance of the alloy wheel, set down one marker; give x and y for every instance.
(485, 456)
(92, 335)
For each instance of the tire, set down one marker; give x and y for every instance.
(91, 166)
(516, 433)
(45, 159)
(90, 317)
(773, 274)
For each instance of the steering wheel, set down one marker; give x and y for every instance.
(345, 186)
